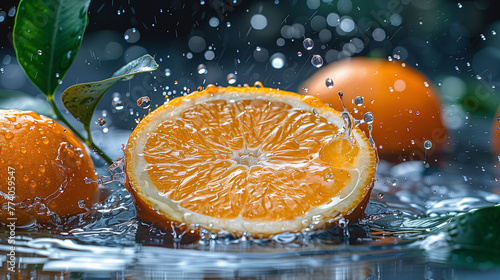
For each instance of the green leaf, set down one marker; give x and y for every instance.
(25, 102)
(475, 238)
(81, 100)
(47, 36)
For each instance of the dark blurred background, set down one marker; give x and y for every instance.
(233, 42)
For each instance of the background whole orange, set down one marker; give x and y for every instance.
(406, 106)
(48, 166)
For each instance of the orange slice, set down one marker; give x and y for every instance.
(255, 160)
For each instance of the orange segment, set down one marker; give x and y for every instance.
(248, 159)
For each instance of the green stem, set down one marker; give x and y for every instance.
(87, 141)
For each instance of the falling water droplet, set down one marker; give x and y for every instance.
(308, 44)
(39, 52)
(427, 144)
(299, 54)
(144, 102)
(117, 102)
(368, 117)
(358, 100)
(81, 203)
(101, 121)
(202, 69)
(167, 72)
(231, 78)
(317, 61)
(329, 83)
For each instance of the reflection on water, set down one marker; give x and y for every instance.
(408, 205)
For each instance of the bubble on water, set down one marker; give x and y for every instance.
(427, 144)
(308, 44)
(231, 78)
(202, 69)
(39, 52)
(144, 102)
(132, 35)
(317, 61)
(117, 102)
(299, 54)
(101, 121)
(368, 117)
(358, 100)
(329, 83)
(258, 21)
(277, 60)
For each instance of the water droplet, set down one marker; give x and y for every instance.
(81, 203)
(358, 100)
(459, 5)
(380, 195)
(45, 140)
(299, 54)
(258, 84)
(41, 168)
(117, 102)
(258, 48)
(482, 37)
(317, 61)
(228, 24)
(368, 117)
(144, 102)
(39, 52)
(329, 83)
(9, 135)
(79, 152)
(427, 144)
(66, 59)
(202, 69)
(32, 184)
(167, 72)
(493, 32)
(23, 150)
(231, 78)
(101, 121)
(426, 84)
(308, 44)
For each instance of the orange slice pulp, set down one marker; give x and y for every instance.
(248, 159)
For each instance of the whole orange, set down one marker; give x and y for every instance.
(405, 105)
(43, 170)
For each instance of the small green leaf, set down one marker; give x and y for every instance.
(475, 238)
(81, 100)
(25, 102)
(47, 36)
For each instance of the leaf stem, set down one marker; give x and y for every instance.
(87, 140)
